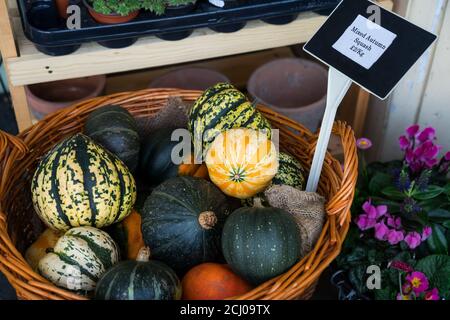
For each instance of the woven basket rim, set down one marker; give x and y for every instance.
(298, 282)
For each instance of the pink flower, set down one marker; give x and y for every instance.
(427, 134)
(381, 231)
(407, 287)
(403, 142)
(372, 211)
(413, 239)
(412, 130)
(381, 210)
(403, 297)
(364, 222)
(393, 222)
(400, 265)
(433, 294)
(419, 281)
(426, 233)
(364, 143)
(447, 156)
(394, 236)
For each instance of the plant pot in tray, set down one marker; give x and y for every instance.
(102, 12)
(173, 8)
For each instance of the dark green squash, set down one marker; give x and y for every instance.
(115, 129)
(142, 279)
(182, 222)
(260, 243)
(7, 291)
(156, 163)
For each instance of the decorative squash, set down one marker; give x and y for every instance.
(139, 280)
(260, 243)
(242, 162)
(212, 281)
(79, 183)
(39, 248)
(127, 234)
(80, 257)
(220, 108)
(290, 173)
(182, 222)
(156, 163)
(114, 128)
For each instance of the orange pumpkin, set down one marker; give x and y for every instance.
(128, 235)
(212, 281)
(189, 168)
(242, 162)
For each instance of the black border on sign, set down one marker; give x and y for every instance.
(382, 78)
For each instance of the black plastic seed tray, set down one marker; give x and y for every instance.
(50, 34)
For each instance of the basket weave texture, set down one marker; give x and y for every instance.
(20, 226)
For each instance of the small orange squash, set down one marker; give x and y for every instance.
(212, 281)
(242, 162)
(128, 235)
(189, 168)
(38, 249)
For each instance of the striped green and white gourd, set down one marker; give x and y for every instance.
(290, 172)
(142, 279)
(79, 183)
(220, 108)
(80, 257)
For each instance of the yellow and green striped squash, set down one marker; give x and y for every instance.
(79, 183)
(220, 108)
(80, 257)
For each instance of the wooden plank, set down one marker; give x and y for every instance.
(435, 107)
(8, 50)
(91, 59)
(405, 102)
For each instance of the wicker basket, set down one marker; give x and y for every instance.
(20, 226)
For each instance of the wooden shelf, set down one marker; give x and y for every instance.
(26, 65)
(34, 67)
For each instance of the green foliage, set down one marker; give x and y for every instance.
(121, 7)
(437, 269)
(125, 7)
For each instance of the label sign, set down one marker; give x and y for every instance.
(372, 46)
(364, 42)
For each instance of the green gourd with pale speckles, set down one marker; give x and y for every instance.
(142, 279)
(220, 108)
(260, 243)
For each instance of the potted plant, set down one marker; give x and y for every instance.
(401, 223)
(169, 7)
(113, 11)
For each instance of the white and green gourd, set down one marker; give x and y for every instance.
(80, 257)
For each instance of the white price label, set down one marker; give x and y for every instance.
(364, 42)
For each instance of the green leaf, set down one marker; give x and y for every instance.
(439, 214)
(434, 203)
(430, 193)
(437, 242)
(446, 224)
(379, 181)
(437, 270)
(357, 277)
(393, 193)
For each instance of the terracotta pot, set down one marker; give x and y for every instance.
(189, 79)
(109, 18)
(45, 98)
(294, 87)
(62, 8)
